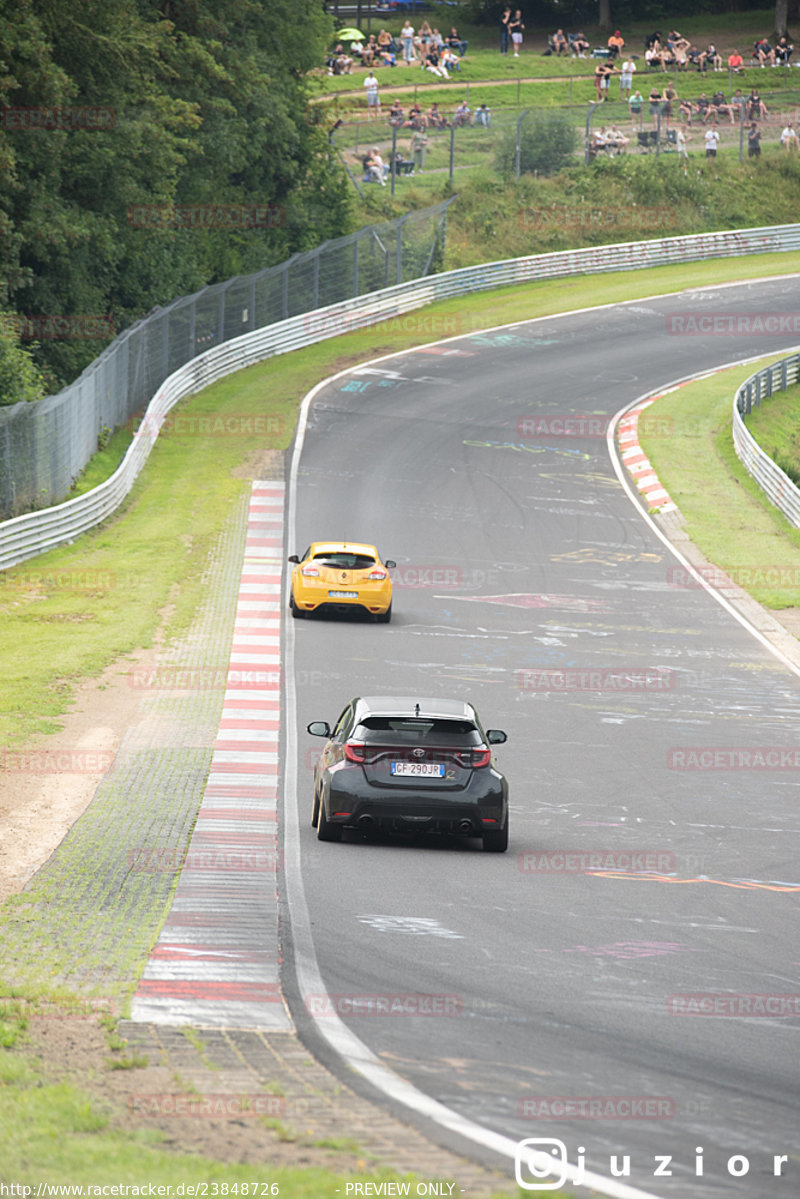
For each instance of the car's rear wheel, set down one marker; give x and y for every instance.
(296, 612)
(325, 830)
(496, 841)
(384, 617)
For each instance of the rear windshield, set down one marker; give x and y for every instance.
(417, 731)
(345, 561)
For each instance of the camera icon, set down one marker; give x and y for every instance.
(542, 1158)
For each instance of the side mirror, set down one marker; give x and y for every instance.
(389, 564)
(319, 728)
(495, 736)
(294, 558)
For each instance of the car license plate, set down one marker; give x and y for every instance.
(425, 769)
(343, 594)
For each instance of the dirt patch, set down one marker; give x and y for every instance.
(46, 786)
(261, 464)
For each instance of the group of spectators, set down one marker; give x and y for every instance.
(426, 48)
(419, 119)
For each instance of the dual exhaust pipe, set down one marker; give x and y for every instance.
(367, 822)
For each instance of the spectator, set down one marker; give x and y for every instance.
(425, 34)
(703, 107)
(756, 108)
(462, 115)
(763, 53)
(396, 115)
(419, 140)
(437, 40)
(712, 141)
(783, 51)
(681, 138)
(686, 109)
(738, 102)
(617, 139)
(753, 141)
(719, 107)
(788, 139)
(602, 74)
(669, 96)
(679, 47)
(416, 118)
(483, 116)
(516, 29)
(696, 57)
(456, 43)
(636, 104)
(580, 45)
(373, 99)
(431, 63)
(407, 38)
(376, 167)
(712, 55)
(654, 56)
(616, 44)
(735, 63)
(627, 72)
(370, 52)
(386, 53)
(505, 21)
(449, 60)
(655, 105)
(560, 43)
(357, 51)
(436, 118)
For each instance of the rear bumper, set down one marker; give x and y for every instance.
(437, 814)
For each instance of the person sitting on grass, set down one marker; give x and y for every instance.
(783, 51)
(720, 107)
(396, 115)
(455, 42)
(735, 62)
(462, 115)
(437, 119)
(483, 116)
(756, 108)
(431, 63)
(617, 139)
(449, 60)
(560, 43)
(763, 53)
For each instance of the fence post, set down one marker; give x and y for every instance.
(520, 119)
(589, 116)
(452, 149)
(394, 155)
(742, 108)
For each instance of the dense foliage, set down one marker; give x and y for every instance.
(547, 142)
(117, 111)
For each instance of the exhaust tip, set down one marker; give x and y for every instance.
(365, 821)
(465, 826)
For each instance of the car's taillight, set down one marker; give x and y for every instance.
(377, 575)
(354, 751)
(310, 571)
(474, 757)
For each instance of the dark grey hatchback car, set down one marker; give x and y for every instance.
(410, 765)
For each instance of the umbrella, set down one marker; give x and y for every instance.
(349, 35)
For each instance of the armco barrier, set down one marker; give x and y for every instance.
(776, 485)
(26, 536)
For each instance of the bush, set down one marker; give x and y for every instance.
(20, 379)
(548, 141)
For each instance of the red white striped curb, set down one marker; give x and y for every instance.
(637, 463)
(216, 962)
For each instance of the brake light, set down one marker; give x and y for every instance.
(310, 571)
(475, 757)
(377, 574)
(354, 751)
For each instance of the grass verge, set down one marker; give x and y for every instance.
(726, 513)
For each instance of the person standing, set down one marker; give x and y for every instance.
(373, 99)
(516, 29)
(407, 35)
(419, 141)
(636, 104)
(681, 138)
(628, 70)
(754, 141)
(712, 141)
(505, 21)
(788, 138)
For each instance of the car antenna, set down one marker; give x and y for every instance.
(416, 709)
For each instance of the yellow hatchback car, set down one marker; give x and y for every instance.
(341, 574)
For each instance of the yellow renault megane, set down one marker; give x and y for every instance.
(341, 574)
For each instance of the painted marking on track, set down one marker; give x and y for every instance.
(524, 600)
(236, 829)
(522, 447)
(744, 884)
(416, 926)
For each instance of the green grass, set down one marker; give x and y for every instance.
(726, 513)
(776, 427)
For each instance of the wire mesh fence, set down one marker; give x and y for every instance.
(45, 445)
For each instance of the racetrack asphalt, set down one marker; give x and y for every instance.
(637, 882)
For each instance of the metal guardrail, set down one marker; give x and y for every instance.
(26, 536)
(776, 485)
